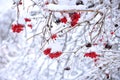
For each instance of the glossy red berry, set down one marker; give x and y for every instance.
(73, 23)
(27, 19)
(55, 54)
(91, 55)
(63, 20)
(17, 28)
(74, 18)
(47, 51)
(54, 36)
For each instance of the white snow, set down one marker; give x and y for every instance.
(22, 59)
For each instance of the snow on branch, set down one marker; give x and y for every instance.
(110, 51)
(69, 8)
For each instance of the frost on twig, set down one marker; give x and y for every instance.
(69, 9)
(54, 40)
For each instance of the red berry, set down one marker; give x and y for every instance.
(46, 3)
(112, 33)
(51, 55)
(63, 20)
(54, 36)
(96, 59)
(20, 3)
(73, 23)
(47, 51)
(30, 25)
(74, 18)
(27, 19)
(55, 55)
(91, 55)
(17, 28)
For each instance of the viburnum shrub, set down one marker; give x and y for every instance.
(17, 27)
(79, 33)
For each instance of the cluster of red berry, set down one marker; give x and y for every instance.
(53, 54)
(74, 19)
(63, 20)
(19, 27)
(28, 20)
(91, 55)
(54, 36)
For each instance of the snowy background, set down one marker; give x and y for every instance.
(59, 39)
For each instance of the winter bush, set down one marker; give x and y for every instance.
(60, 40)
